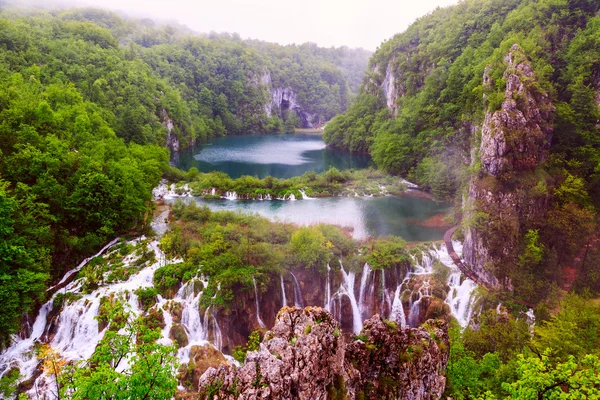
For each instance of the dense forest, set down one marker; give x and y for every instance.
(422, 109)
(88, 102)
(91, 102)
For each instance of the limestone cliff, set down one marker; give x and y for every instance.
(510, 191)
(305, 356)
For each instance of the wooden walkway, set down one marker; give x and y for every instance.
(466, 271)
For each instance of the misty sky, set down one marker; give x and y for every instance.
(355, 23)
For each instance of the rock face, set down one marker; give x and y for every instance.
(508, 195)
(284, 99)
(304, 356)
(390, 91)
(393, 363)
(172, 140)
(517, 137)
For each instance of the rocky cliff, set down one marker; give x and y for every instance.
(510, 192)
(305, 356)
(283, 99)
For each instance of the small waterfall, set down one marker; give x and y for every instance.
(347, 289)
(362, 291)
(260, 321)
(304, 196)
(328, 290)
(292, 197)
(461, 295)
(213, 191)
(283, 291)
(190, 316)
(231, 196)
(298, 300)
(397, 313)
(415, 306)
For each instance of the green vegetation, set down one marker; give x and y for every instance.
(86, 99)
(150, 373)
(232, 249)
(502, 359)
(364, 182)
(429, 130)
(253, 344)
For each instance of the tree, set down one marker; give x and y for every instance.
(540, 379)
(130, 365)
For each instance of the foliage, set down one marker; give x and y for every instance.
(150, 373)
(253, 344)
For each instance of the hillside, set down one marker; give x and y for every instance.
(89, 101)
(494, 104)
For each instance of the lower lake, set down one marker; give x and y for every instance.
(407, 217)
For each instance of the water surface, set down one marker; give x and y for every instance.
(375, 216)
(278, 155)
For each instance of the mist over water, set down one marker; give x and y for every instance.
(278, 155)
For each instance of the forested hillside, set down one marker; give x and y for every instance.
(89, 102)
(431, 91)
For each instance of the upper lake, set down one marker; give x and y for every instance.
(277, 155)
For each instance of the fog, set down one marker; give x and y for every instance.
(326, 22)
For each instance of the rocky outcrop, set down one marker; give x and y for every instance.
(390, 91)
(517, 137)
(172, 139)
(304, 356)
(201, 359)
(510, 193)
(387, 362)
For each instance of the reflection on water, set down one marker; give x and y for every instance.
(280, 155)
(365, 216)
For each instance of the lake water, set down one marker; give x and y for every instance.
(277, 155)
(366, 216)
(284, 156)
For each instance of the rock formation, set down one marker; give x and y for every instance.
(304, 356)
(508, 194)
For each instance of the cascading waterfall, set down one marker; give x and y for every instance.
(461, 295)
(415, 306)
(304, 195)
(397, 313)
(283, 291)
(347, 289)
(77, 332)
(260, 321)
(298, 300)
(328, 290)
(366, 272)
(231, 196)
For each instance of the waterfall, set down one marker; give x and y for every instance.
(363, 286)
(260, 321)
(231, 196)
(415, 306)
(347, 289)
(328, 290)
(213, 191)
(461, 295)
(397, 313)
(292, 197)
(190, 315)
(283, 291)
(304, 196)
(298, 300)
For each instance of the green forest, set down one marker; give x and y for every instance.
(93, 105)
(436, 121)
(84, 100)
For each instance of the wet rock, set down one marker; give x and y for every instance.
(300, 356)
(201, 359)
(178, 335)
(304, 357)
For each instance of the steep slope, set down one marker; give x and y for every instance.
(517, 139)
